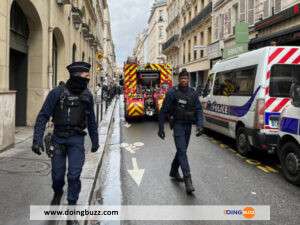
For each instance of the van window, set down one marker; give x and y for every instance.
(281, 79)
(239, 82)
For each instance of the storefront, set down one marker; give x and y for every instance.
(280, 29)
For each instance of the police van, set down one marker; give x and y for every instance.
(289, 143)
(245, 95)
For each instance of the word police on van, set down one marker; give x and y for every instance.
(245, 95)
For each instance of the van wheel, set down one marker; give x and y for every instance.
(290, 162)
(242, 142)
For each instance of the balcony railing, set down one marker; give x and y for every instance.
(198, 19)
(170, 42)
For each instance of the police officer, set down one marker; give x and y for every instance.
(184, 109)
(72, 110)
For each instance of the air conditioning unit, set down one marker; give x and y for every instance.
(63, 2)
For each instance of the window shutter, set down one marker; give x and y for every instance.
(242, 10)
(266, 8)
(250, 12)
(277, 6)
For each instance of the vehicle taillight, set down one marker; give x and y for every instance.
(260, 114)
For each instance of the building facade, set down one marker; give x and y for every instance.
(139, 49)
(173, 29)
(38, 39)
(157, 32)
(278, 23)
(196, 34)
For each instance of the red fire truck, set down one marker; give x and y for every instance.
(145, 87)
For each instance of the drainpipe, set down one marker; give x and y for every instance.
(50, 46)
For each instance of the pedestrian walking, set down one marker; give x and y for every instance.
(184, 109)
(71, 108)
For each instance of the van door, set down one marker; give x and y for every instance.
(216, 108)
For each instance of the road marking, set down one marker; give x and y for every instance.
(132, 148)
(252, 192)
(263, 169)
(252, 162)
(240, 156)
(127, 125)
(271, 169)
(223, 146)
(136, 173)
(232, 150)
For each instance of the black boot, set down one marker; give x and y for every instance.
(57, 198)
(176, 176)
(188, 184)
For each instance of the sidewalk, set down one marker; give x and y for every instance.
(25, 178)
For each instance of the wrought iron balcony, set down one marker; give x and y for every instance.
(204, 14)
(76, 16)
(170, 42)
(85, 29)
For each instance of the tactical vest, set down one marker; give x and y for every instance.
(71, 110)
(184, 109)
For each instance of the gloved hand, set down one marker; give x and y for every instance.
(95, 148)
(161, 134)
(37, 148)
(199, 131)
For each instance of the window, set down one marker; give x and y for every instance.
(281, 79)
(209, 35)
(250, 12)
(195, 54)
(201, 53)
(242, 10)
(160, 35)
(201, 38)
(195, 10)
(74, 53)
(266, 8)
(239, 82)
(190, 15)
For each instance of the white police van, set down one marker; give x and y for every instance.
(289, 144)
(244, 96)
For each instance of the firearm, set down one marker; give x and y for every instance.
(48, 145)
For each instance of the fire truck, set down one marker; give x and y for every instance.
(145, 87)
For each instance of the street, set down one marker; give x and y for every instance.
(220, 176)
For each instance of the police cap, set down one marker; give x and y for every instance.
(183, 73)
(77, 67)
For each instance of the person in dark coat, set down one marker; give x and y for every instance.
(71, 107)
(184, 109)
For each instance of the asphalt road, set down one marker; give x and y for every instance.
(220, 176)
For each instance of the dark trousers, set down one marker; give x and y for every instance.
(71, 148)
(182, 133)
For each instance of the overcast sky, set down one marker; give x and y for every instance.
(128, 18)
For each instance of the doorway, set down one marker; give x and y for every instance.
(18, 81)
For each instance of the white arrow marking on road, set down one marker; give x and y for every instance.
(136, 173)
(127, 125)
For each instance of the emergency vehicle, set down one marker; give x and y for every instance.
(289, 143)
(245, 95)
(145, 87)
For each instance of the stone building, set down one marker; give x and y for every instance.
(139, 48)
(173, 29)
(196, 34)
(157, 32)
(278, 23)
(37, 40)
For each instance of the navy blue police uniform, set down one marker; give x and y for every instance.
(71, 107)
(184, 108)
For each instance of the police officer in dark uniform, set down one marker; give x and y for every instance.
(71, 107)
(183, 108)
